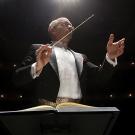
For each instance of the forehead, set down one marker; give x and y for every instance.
(62, 20)
(59, 21)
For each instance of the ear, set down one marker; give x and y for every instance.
(52, 31)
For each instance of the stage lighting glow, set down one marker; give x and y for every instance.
(20, 96)
(2, 95)
(70, 2)
(111, 95)
(130, 95)
(132, 63)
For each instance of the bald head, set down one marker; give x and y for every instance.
(55, 22)
(60, 27)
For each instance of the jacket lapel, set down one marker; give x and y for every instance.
(78, 61)
(53, 62)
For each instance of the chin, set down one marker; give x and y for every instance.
(67, 40)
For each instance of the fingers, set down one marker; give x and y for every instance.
(48, 52)
(121, 42)
(39, 49)
(111, 39)
(120, 46)
(44, 49)
(118, 43)
(43, 53)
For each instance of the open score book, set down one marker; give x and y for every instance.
(62, 107)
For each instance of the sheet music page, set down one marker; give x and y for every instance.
(34, 109)
(73, 107)
(40, 108)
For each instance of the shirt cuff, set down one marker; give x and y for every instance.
(34, 74)
(114, 63)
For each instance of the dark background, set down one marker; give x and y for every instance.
(23, 22)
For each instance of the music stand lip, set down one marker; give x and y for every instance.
(94, 110)
(89, 110)
(5, 113)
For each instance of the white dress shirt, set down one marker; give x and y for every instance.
(68, 76)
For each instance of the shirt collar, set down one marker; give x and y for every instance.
(60, 44)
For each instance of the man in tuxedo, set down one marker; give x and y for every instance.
(57, 73)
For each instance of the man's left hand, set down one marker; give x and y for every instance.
(115, 49)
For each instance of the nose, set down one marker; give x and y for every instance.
(70, 27)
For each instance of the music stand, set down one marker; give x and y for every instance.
(97, 121)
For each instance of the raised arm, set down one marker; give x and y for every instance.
(37, 57)
(103, 73)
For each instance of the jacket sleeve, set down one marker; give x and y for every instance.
(99, 75)
(22, 74)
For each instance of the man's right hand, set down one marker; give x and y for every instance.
(43, 55)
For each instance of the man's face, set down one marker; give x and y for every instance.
(62, 28)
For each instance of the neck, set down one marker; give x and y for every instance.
(61, 44)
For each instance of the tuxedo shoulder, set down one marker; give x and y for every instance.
(85, 58)
(36, 46)
(78, 53)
